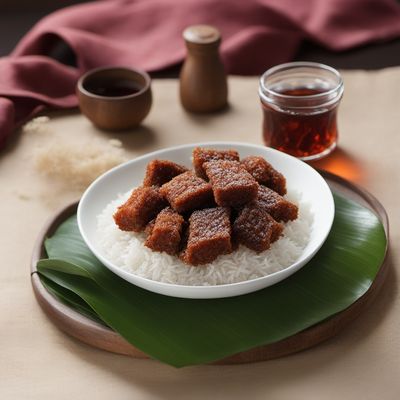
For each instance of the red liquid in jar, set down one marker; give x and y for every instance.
(300, 135)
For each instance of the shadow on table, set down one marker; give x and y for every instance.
(341, 163)
(203, 119)
(142, 138)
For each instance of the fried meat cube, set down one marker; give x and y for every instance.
(265, 174)
(209, 236)
(159, 172)
(165, 232)
(149, 227)
(142, 206)
(202, 155)
(232, 185)
(255, 228)
(187, 192)
(279, 208)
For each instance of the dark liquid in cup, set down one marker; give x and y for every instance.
(298, 134)
(111, 88)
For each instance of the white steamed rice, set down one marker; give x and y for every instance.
(127, 251)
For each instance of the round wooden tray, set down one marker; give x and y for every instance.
(94, 334)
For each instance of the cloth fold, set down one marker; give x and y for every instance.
(147, 34)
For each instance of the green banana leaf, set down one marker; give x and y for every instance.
(70, 299)
(183, 332)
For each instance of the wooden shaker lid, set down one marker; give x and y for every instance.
(201, 34)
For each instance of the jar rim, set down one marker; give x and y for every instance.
(265, 91)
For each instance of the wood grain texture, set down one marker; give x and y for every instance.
(203, 85)
(120, 112)
(94, 334)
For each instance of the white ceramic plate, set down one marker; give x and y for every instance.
(300, 177)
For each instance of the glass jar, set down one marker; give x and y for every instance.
(300, 101)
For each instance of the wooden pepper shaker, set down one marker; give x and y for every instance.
(203, 83)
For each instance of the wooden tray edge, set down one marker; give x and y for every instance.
(96, 335)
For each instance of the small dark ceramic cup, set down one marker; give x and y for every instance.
(115, 98)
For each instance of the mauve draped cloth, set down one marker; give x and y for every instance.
(147, 34)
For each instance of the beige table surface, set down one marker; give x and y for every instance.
(37, 361)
